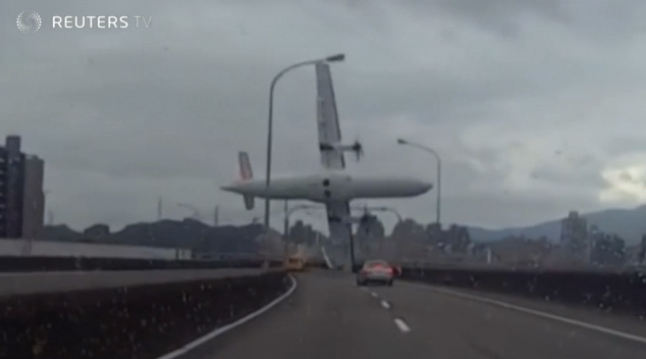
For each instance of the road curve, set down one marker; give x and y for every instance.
(53, 282)
(327, 316)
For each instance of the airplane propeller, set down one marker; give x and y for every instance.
(357, 148)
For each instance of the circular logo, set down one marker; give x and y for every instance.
(29, 22)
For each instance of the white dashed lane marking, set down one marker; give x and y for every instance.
(401, 325)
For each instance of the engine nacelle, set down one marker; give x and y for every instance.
(356, 147)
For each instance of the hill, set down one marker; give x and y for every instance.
(629, 224)
(188, 233)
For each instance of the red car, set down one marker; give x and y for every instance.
(397, 270)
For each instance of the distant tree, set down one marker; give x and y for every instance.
(608, 250)
(97, 232)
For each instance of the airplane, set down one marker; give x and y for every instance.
(330, 187)
(333, 187)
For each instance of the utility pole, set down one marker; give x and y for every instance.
(286, 232)
(49, 212)
(216, 219)
(159, 209)
(286, 226)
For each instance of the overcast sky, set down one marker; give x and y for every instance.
(536, 107)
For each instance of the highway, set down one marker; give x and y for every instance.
(54, 282)
(327, 317)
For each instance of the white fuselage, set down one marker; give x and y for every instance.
(331, 186)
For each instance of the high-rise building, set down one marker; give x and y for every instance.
(33, 197)
(22, 200)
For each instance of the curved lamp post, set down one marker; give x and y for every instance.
(439, 172)
(333, 58)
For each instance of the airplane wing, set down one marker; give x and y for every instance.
(329, 133)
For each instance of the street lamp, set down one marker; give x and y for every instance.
(439, 172)
(382, 209)
(333, 58)
(290, 211)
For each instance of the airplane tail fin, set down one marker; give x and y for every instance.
(246, 174)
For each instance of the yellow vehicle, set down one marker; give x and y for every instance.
(296, 264)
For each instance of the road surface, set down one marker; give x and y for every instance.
(53, 282)
(328, 317)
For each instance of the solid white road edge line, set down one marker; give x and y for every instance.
(221, 330)
(401, 324)
(537, 313)
(385, 304)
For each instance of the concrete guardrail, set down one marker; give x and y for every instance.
(140, 322)
(37, 264)
(614, 291)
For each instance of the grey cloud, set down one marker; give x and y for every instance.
(125, 117)
(503, 17)
(604, 21)
(575, 173)
(626, 144)
(492, 210)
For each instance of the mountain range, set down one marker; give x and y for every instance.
(188, 233)
(629, 224)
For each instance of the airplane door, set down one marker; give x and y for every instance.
(335, 188)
